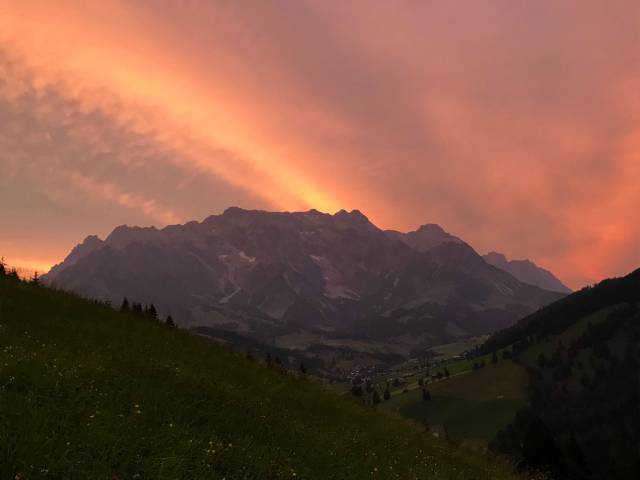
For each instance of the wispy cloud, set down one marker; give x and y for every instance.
(514, 124)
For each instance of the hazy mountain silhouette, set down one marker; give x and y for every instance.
(528, 272)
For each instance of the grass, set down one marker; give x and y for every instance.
(471, 406)
(86, 392)
(449, 350)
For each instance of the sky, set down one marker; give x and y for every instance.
(513, 124)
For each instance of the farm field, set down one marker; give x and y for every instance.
(470, 406)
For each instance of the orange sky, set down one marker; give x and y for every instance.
(514, 124)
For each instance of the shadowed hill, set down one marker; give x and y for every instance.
(558, 316)
(86, 392)
(583, 357)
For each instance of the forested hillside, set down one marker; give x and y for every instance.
(583, 358)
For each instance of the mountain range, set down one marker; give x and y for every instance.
(332, 286)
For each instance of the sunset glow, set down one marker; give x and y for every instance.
(514, 125)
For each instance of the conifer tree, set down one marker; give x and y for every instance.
(356, 390)
(35, 280)
(387, 393)
(152, 312)
(170, 322)
(426, 396)
(539, 449)
(303, 369)
(375, 397)
(13, 273)
(446, 372)
(136, 309)
(494, 357)
(3, 270)
(125, 307)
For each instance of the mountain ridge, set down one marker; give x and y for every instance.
(271, 274)
(527, 272)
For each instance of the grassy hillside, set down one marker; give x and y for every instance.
(86, 392)
(471, 406)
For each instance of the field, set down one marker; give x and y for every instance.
(456, 348)
(471, 406)
(86, 392)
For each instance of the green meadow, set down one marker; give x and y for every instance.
(470, 406)
(87, 392)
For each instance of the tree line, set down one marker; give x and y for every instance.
(145, 311)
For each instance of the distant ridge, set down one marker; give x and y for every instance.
(528, 272)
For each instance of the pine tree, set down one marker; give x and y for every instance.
(356, 390)
(368, 385)
(170, 322)
(152, 312)
(539, 449)
(3, 270)
(303, 369)
(375, 397)
(494, 357)
(35, 280)
(426, 396)
(446, 372)
(136, 309)
(125, 307)
(387, 393)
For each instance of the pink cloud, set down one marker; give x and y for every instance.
(513, 124)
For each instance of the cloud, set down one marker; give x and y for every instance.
(514, 124)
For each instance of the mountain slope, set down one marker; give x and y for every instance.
(304, 279)
(583, 358)
(528, 272)
(86, 392)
